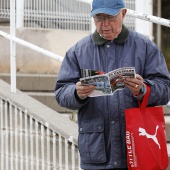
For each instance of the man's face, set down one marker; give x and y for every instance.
(109, 26)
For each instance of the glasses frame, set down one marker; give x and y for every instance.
(110, 18)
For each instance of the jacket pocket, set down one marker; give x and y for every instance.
(91, 141)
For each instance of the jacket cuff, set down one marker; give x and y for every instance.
(78, 99)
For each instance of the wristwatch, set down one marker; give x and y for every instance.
(143, 90)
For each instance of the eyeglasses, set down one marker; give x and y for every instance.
(110, 18)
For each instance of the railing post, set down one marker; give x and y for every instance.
(12, 46)
(92, 21)
(141, 6)
(19, 13)
(159, 26)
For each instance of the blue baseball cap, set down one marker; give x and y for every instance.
(110, 7)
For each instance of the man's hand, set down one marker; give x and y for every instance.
(84, 91)
(134, 84)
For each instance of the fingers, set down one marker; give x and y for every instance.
(134, 84)
(84, 91)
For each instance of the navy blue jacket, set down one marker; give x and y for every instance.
(101, 120)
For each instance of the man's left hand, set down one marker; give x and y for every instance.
(134, 84)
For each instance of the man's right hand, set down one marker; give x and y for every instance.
(84, 91)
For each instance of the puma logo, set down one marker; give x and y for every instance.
(144, 133)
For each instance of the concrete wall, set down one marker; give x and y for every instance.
(29, 61)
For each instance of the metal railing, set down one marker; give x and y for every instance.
(150, 18)
(55, 14)
(29, 141)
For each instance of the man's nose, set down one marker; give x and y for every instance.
(105, 21)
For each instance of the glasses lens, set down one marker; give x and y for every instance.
(101, 18)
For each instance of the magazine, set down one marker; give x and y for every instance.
(106, 83)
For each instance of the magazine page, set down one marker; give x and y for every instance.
(101, 83)
(106, 84)
(118, 76)
(88, 73)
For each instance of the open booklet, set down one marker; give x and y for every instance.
(106, 83)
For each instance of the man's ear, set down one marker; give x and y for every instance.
(124, 11)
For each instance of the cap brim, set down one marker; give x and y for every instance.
(105, 11)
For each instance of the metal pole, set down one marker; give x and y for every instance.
(150, 18)
(19, 13)
(93, 28)
(12, 46)
(159, 26)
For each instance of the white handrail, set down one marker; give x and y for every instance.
(150, 18)
(135, 14)
(31, 46)
(14, 40)
(13, 46)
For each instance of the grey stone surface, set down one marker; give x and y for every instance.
(166, 110)
(49, 100)
(39, 86)
(33, 82)
(168, 131)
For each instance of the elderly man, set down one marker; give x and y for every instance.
(101, 120)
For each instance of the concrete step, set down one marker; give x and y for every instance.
(167, 122)
(41, 87)
(33, 82)
(49, 100)
(166, 110)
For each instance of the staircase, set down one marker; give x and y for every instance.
(41, 87)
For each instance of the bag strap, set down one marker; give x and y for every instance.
(145, 98)
(143, 107)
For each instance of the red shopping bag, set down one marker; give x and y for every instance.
(145, 137)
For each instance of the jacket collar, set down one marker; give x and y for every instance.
(122, 37)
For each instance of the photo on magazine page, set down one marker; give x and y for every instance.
(118, 76)
(106, 83)
(88, 73)
(101, 83)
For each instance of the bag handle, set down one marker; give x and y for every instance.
(142, 108)
(145, 98)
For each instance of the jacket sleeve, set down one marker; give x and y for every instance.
(157, 76)
(68, 76)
